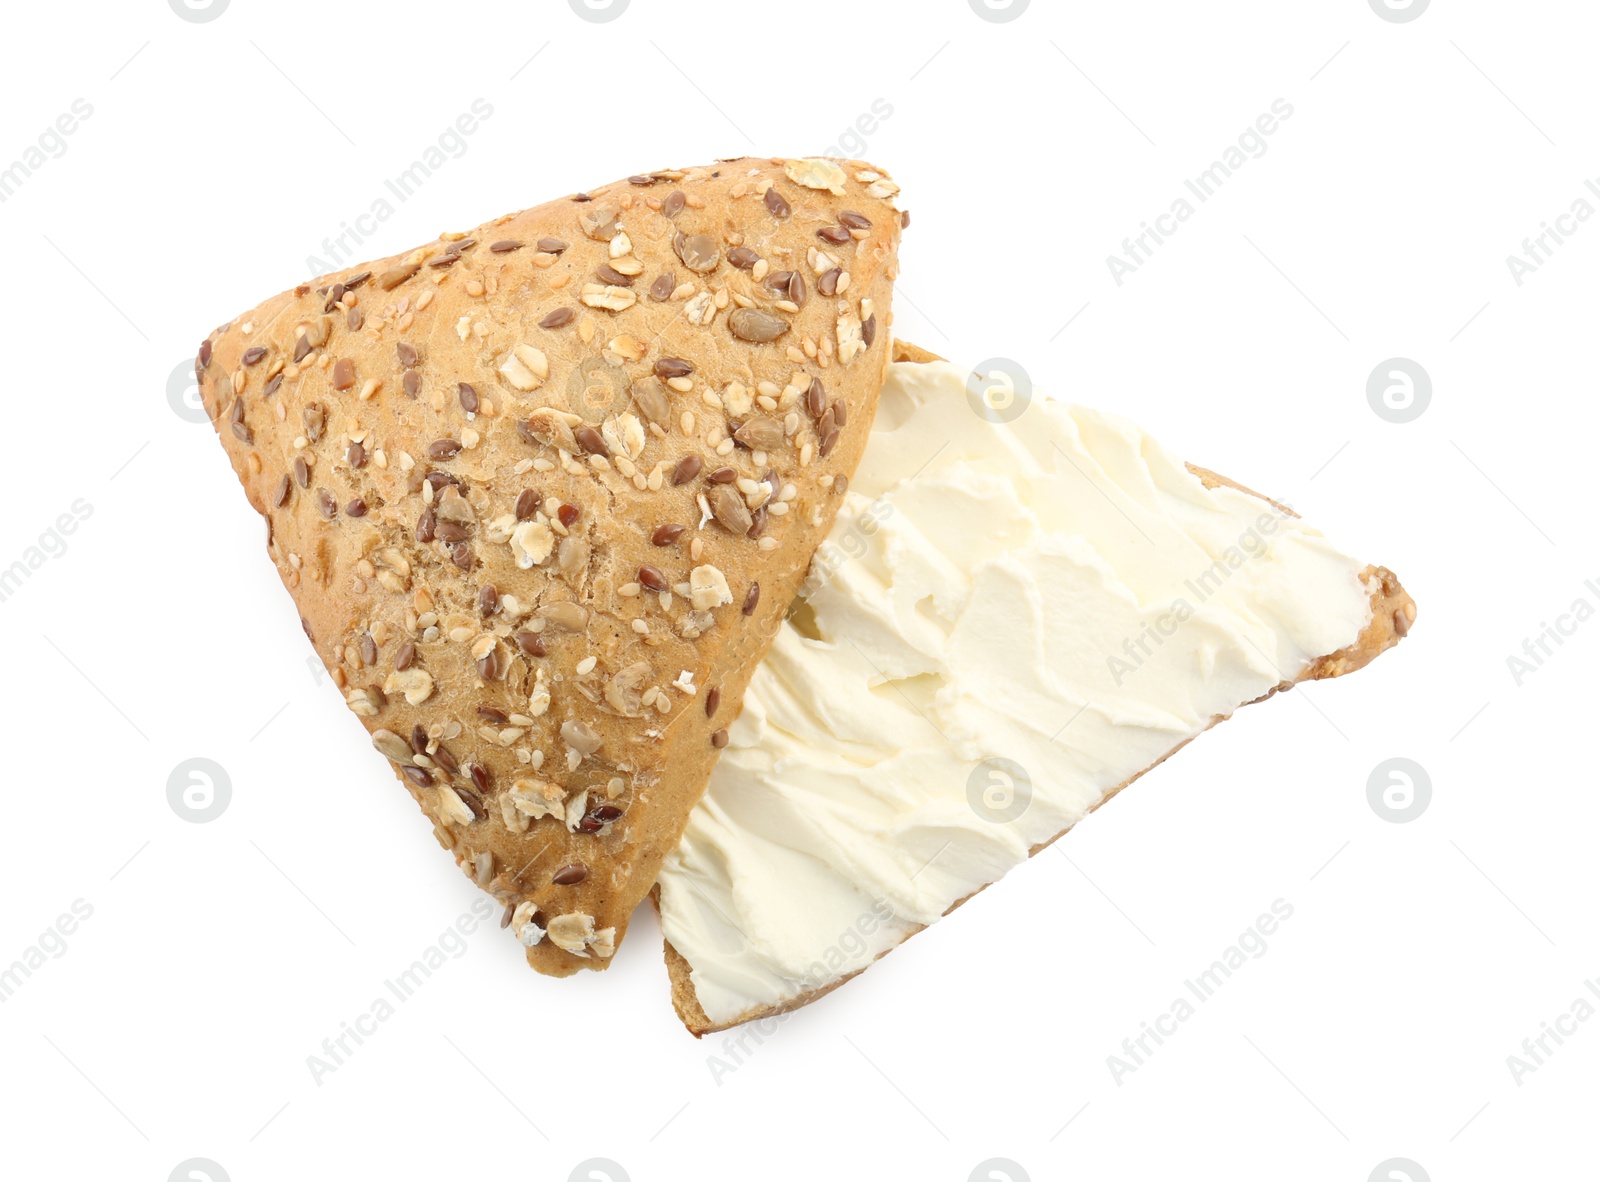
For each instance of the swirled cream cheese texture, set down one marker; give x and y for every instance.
(1009, 619)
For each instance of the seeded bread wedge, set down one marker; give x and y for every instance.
(1393, 612)
(542, 490)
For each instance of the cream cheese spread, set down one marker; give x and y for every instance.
(1009, 620)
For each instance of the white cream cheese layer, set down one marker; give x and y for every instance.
(1007, 621)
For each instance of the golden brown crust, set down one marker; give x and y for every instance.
(906, 351)
(1393, 612)
(467, 454)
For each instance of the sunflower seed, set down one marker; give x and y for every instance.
(756, 326)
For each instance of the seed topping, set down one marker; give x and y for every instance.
(756, 326)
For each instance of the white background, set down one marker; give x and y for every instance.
(219, 155)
